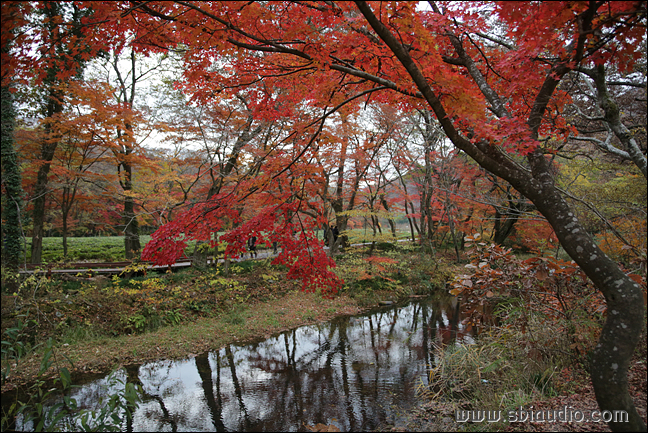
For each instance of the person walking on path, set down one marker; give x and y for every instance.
(251, 244)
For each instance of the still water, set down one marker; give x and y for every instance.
(353, 372)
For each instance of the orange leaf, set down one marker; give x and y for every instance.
(541, 274)
(636, 278)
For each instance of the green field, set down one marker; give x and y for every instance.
(111, 248)
(105, 248)
(99, 249)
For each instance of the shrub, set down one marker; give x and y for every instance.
(556, 290)
(498, 372)
(42, 411)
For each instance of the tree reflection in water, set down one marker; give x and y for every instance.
(353, 372)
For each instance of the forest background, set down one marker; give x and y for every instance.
(519, 124)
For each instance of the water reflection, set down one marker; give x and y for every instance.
(351, 372)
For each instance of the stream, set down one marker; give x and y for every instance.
(354, 372)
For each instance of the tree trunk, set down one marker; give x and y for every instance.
(392, 225)
(505, 222)
(413, 211)
(503, 227)
(12, 246)
(126, 95)
(66, 205)
(53, 106)
(376, 224)
(200, 254)
(625, 307)
(65, 233)
(452, 229)
(410, 220)
(426, 189)
(613, 118)
(131, 228)
(341, 222)
(48, 147)
(38, 215)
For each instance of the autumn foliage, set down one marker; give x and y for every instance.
(556, 290)
(290, 116)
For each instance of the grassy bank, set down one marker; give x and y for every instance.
(543, 320)
(504, 376)
(101, 322)
(531, 352)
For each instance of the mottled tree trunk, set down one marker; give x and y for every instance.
(12, 246)
(625, 305)
(625, 308)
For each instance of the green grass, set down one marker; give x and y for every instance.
(104, 248)
(357, 236)
(237, 315)
(111, 248)
(107, 248)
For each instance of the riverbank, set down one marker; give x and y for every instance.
(101, 324)
(256, 321)
(569, 389)
(432, 415)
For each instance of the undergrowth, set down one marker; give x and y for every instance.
(398, 271)
(501, 370)
(47, 406)
(542, 318)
